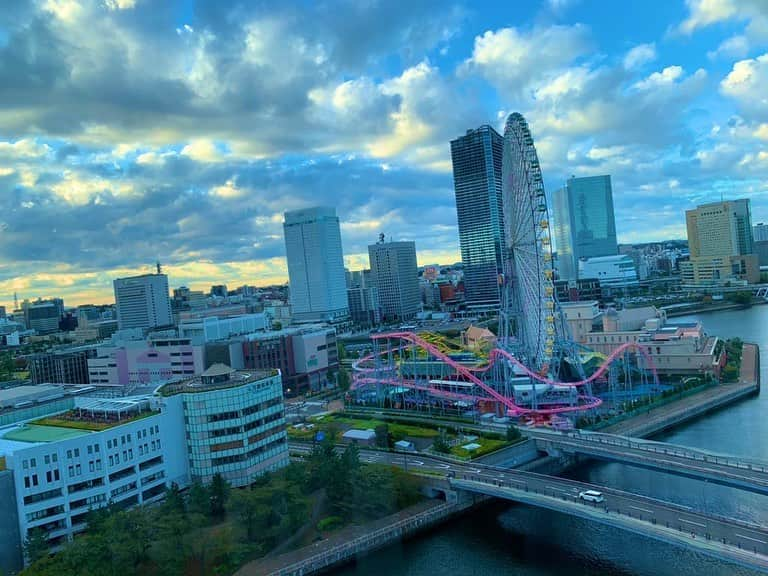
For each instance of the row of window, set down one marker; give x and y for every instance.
(32, 462)
(246, 455)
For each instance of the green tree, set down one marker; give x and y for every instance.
(198, 499)
(513, 434)
(174, 502)
(382, 436)
(219, 492)
(35, 545)
(342, 379)
(249, 510)
(441, 443)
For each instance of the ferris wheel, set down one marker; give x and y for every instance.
(528, 312)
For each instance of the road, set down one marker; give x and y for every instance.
(724, 469)
(724, 538)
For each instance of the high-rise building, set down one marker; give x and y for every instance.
(720, 243)
(477, 159)
(315, 265)
(585, 226)
(143, 301)
(396, 275)
(760, 232)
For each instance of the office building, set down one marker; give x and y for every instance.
(68, 366)
(315, 265)
(721, 244)
(395, 274)
(143, 301)
(585, 226)
(610, 270)
(760, 232)
(477, 160)
(43, 316)
(233, 420)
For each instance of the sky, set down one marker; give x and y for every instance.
(181, 130)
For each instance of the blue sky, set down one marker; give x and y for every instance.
(132, 130)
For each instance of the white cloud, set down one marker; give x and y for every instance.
(733, 47)
(65, 10)
(597, 153)
(228, 190)
(761, 132)
(639, 55)
(26, 148)
(120, 4)
(203, 150)
(663, 78)
(515, 59)
(747, 83)
(703, 13)
(81, 188)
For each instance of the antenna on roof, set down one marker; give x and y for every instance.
(15, 301)
(159, 268)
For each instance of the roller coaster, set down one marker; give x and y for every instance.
(535, 369)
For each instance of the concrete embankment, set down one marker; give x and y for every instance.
(344, 546)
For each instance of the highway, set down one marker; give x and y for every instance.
(728, 470)
(731, 540)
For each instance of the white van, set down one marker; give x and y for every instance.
(591, 496)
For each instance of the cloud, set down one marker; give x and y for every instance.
(704, 13)
(747, 84)
(203, 150)
(639, 55)
(733, 47)
(515, 58)
(658, 79)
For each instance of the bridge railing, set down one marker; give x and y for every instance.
(366, 542)
(672, 450)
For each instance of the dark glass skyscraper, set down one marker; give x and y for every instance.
(585, 226)
(477, 180)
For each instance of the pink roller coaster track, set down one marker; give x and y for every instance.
(469, 373)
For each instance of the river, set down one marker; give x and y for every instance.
(527, 541)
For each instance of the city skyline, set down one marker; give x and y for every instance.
(187, 161)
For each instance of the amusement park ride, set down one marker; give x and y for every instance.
(535, 370)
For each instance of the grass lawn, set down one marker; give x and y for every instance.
(344, 423)
(486, 446)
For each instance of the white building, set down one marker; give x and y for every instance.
(61, 472)
(315, 265)
(143, 301)
(609, 270)
(760, 232)
(90, 452)
(395, 273)
(204, 330)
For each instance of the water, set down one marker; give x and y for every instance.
(527, 541)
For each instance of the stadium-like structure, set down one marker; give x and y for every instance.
(534, 367)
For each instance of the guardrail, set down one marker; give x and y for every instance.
(367, 542)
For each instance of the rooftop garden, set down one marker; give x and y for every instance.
(79, 420)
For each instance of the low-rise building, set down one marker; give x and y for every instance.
(617, 271)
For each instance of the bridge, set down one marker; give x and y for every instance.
(727, 470)
(731, 540)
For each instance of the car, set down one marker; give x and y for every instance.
(591, 496)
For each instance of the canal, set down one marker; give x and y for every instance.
(525, 541)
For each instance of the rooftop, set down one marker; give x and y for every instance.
(217, 377)
(34, 433)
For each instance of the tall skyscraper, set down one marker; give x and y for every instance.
(585, 226)
(143, 301)
(477, 159)
(396, 276)
(315, 265)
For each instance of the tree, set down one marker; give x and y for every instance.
(219, 493)
(382, 436)
(249, 511)
(173, 503)
(513, 434)
(342, 379)
(441, 444)
(198, 499)
(35, 545)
